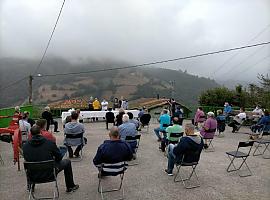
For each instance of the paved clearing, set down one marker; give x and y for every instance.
(148, 180)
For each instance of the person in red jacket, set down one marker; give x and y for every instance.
(16, 117)
(46, 134)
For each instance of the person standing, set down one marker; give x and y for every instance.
(104, 105)
(115, 103)
(90, 104)
(97, 106)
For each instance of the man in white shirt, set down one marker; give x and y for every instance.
(104, 105)
(238, 120)
(257, 113)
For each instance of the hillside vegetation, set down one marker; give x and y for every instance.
(129, 83)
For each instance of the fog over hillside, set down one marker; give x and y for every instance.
(141, 31)
(131, 83)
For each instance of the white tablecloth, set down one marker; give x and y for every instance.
(90, 114)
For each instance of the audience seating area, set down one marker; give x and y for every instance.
(147, 180)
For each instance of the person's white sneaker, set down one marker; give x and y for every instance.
(168, 173)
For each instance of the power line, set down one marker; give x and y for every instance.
(243, 61)
(13, 83)
(140, 65)
(248, 68)
(236, 54)
(49, 41)
(158, 62)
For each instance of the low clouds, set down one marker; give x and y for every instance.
(140, 31)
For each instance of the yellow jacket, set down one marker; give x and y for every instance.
(96, 105)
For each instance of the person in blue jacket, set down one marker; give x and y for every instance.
(263, 122)
(164, 122)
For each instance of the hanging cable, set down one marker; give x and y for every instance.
(51, 36)
(157, 62)
(237, 53)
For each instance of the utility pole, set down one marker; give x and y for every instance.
(172, 88)
(30, 89)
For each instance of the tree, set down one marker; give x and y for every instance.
(216, 96)
(242, 97)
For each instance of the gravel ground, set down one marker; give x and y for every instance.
(148, 180)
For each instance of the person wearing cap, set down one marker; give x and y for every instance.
(187, 146)
(209, 128)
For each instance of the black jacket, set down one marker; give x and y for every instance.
(48, 116)
(40, 149)
(190, 147)
(113, 152)
(110, 117)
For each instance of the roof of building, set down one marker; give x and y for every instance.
(151, 103)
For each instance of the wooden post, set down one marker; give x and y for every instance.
(30, 89)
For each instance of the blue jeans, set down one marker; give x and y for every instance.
(157, 130)
(63, 150)
(171, 158)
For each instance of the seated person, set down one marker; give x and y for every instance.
(29, 120)
(109, 117)
(118, 119)
(134, 121)
(179, 113)
(189, 143)
(16, 117)
(46, 134)
(175, 128)
(257, 113)
(48, 116)
(128, 129)
(199, 118)
(227, 111)
(209, 128)
(80, 118)
(238, 120)
(265, 120)
(40, 149)
(164, 121)
(74, 135)
(144, 119)
(221, 121)
(24, 125)
(113, 150)
(140, 113)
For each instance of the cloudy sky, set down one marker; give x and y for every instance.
(141, 31)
